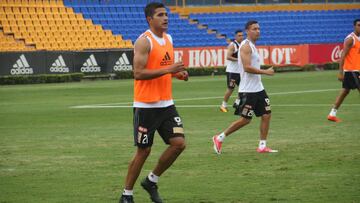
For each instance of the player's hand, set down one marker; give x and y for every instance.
(270, 71)
(340, 77)
(183, 75)
(176, 67)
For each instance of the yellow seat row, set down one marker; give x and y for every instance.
(31, 3)
(42, 24)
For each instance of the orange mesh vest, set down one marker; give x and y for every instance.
(352, 59)
(160, 88)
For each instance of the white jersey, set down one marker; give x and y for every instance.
(250, 82)
(233, 66)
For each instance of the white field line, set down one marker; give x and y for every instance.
(129, 104)
(207, 106)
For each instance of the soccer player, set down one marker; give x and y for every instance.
(232, 70)
(154, 108)
(349, 69)
(253, 98)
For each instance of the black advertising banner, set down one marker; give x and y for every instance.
(22, 63)
(121, 60)
(54, 62)
(59, 62)
(90, 62)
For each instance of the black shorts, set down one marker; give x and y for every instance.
(148, 120)
(232, 80)
(351, 80)
(250, 103)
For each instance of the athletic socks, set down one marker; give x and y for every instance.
(262, 144)
(224, 104)
(128, 192)
(333, 112)
(153, 178)
(221, 137)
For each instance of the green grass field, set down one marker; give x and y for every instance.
(50, 152)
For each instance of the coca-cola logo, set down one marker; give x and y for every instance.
(336, 53)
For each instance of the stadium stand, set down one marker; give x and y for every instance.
(108, 24)
(127, 18)
(285, 27)
(49, 25)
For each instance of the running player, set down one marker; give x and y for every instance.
(253, 98)
(232, 70)
(154, 108)
(349, 69)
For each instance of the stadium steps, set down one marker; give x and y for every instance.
(285, 27)
(127, 18)
(9, 43)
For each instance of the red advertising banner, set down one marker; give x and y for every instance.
(323, 53)
(216, 56)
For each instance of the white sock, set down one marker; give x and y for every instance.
(333, 112)
(224, 104)
(221, 137)
(262, 144)
(128, 192)
(153, 178)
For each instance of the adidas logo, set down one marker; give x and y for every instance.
(122, 64)
(166, 60)
(21, 67)
(59, 66)
(90, 65)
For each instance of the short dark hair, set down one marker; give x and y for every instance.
(355, 21)
(151, 7)
(237, 31)
(249, 23)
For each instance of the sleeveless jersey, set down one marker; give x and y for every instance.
(250, 82)
(352, 59)
(160, 88)
(233, 66)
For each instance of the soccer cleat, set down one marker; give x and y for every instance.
(126, 199)
(266, 150)
(217, 145)
(333, 118)
(223, 109)
(152, 189)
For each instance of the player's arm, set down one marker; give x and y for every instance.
(347, 46)
(230, 52)
(142, 49)
(245, 54)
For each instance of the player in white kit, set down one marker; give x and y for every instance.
(232, 70)
(253, 97)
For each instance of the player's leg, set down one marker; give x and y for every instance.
(230, 83)
(263, 109)
(177, 145)
(245, 111)
(350, 81)
(144, 125)
(171, 131)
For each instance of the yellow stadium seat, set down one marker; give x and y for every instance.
(39, 10)
(28, 22)
(56, 16)
(31, 10)
(10, 16)
(20, 22)
(26, 16)
(16, 10)
(48, 10)
(18, 16)
(62, 10)
(41, 15)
